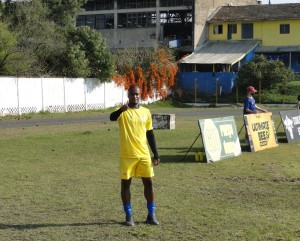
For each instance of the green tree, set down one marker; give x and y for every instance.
(53, 46)
(64, 12)
(88, 55)
(265, 73)
(76, 64)
(41, 39)
(13, 61)
(1, 8)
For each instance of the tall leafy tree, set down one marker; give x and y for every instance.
(88, 55)
(45, 31)
(64, 12)
(41, 39)
(268, 74)
(13, 60)
(75, 63)
(1, 8)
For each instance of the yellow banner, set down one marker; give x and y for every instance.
(261, 131)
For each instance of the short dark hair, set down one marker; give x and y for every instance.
(299, 97)
(133, 87)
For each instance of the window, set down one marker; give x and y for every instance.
(136, 20)
(89, 6)
(180, 16)
(123, 4)
(93, 5)
(90, 21)
(247, 30)
(218, 29)
(232, 29)
(80, 21)
(173, 3)
(98, 21)
(284, 28)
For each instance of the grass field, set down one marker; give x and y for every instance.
(61, 182)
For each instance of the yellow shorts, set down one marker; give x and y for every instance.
(136, 167)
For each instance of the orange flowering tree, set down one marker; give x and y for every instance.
(153, 70)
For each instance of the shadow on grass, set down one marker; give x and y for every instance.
(188, 156)
(184, 155)
(53, 225)
(245, 148)
(281, 137)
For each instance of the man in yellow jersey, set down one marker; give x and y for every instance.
(135, 130)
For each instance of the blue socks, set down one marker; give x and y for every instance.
(127, 209)
(151, 208)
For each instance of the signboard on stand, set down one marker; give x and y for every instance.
(163, 121)
(261, 131)
(291, 122)
(220, 138)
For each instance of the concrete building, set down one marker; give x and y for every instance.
(141, 23)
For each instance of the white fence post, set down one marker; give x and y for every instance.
(18, 97)
(104, 96)
(85, 94)
(65, 104)
(42, 90)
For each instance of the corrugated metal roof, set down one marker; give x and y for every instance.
(221, 52)
(256, 13)
(276, 49)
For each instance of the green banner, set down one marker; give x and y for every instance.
(220, 138)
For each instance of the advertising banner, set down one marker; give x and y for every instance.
(220, 138)
(261, 131)
(163, 121)
(291, 122)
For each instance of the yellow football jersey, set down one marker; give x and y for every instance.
(133, 124)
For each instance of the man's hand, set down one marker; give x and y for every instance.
(124, 107)
(262, 110)
(156, 162)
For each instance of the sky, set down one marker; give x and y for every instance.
(280, 1)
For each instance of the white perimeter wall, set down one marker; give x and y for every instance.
(28, 95)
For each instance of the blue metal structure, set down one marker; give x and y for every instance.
(207, 83)
(291, 59)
